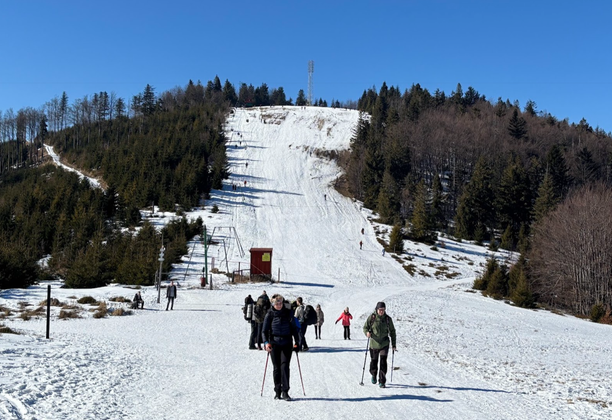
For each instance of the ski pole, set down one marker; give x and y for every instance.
(364, 360)
(265, 370)
(300, 370)
(392, 358)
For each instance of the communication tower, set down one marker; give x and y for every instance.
(310, 72)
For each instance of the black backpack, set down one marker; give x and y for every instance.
(310, 315)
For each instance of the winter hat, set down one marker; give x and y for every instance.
(380, 305)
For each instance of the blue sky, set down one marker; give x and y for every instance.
(556, 53)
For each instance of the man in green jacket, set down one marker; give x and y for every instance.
(378, 328)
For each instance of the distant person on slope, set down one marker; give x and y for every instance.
(346, 317)
(171, 295)
(279, 332)
(378, 328)
(320, 320)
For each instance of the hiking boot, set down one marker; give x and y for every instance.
(285, 396)
(278, 395)
(373, 379)
(381, 385)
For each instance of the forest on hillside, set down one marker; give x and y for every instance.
(166, 150)
(492, 172)
(488, 171)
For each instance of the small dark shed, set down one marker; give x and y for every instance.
(261, 261)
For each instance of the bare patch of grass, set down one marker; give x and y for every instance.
(54, 302)
(121, 312)
(101, 311)
(6, 330)
(87, 300)
(68, 314)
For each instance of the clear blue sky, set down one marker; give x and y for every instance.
(556, 53)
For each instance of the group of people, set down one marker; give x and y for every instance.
(171, 293)
(282, 330)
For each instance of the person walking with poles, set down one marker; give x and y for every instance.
(378, 328)
(171, 295)
(346, 317)
(279, 333)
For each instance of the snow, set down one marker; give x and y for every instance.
(460, 355)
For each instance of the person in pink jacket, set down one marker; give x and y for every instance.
(346, 322)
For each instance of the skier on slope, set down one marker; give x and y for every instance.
(378, 328)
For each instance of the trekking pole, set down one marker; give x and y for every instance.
(364, 361)
(300, 370)
(265, 370)
(392, 358)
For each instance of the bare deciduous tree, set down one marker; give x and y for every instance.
(571, 253)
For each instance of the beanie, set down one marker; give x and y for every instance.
(380, 305)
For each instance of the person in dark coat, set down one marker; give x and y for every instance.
(279, 333)
(138, 301)
(379, 328)
(248, 310)
(262, 306)
(171, 295)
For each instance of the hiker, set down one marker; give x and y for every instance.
(320, 320)
(262, 306)
(138, 301)
(171, 295)
(299, 314)
(279, 332)
(378, 328)
(247, 309)
(360, 244)
(346, 317)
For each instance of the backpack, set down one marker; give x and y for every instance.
(310, 315)
(261, 308)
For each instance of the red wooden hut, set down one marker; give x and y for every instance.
(261, 262)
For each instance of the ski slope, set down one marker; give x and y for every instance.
(460, 355)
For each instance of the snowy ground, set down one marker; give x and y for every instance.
(460, 355)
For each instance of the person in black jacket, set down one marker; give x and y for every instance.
(279, 332)
(171, 295)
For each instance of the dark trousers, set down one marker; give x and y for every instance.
(317, 331)
(347, 332)
(303, 344)
(253, 337)
(281, 358)
(259, 331)
(170, 303)
(374, 355)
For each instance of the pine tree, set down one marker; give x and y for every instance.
(301, 98)
(437, 202)
(396, 240)
(559, 172)
(475, 213)
(513, 198)
(517, 127)
(546, 200)
(421, 223)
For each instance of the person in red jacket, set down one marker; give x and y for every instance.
(346, 322)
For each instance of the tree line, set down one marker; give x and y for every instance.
(487, 171)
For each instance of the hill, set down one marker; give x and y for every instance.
(460, 355)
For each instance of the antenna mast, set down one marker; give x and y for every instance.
(310, 72)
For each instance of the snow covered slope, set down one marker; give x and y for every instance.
(460, 355)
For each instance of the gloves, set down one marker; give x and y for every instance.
(296, 348)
